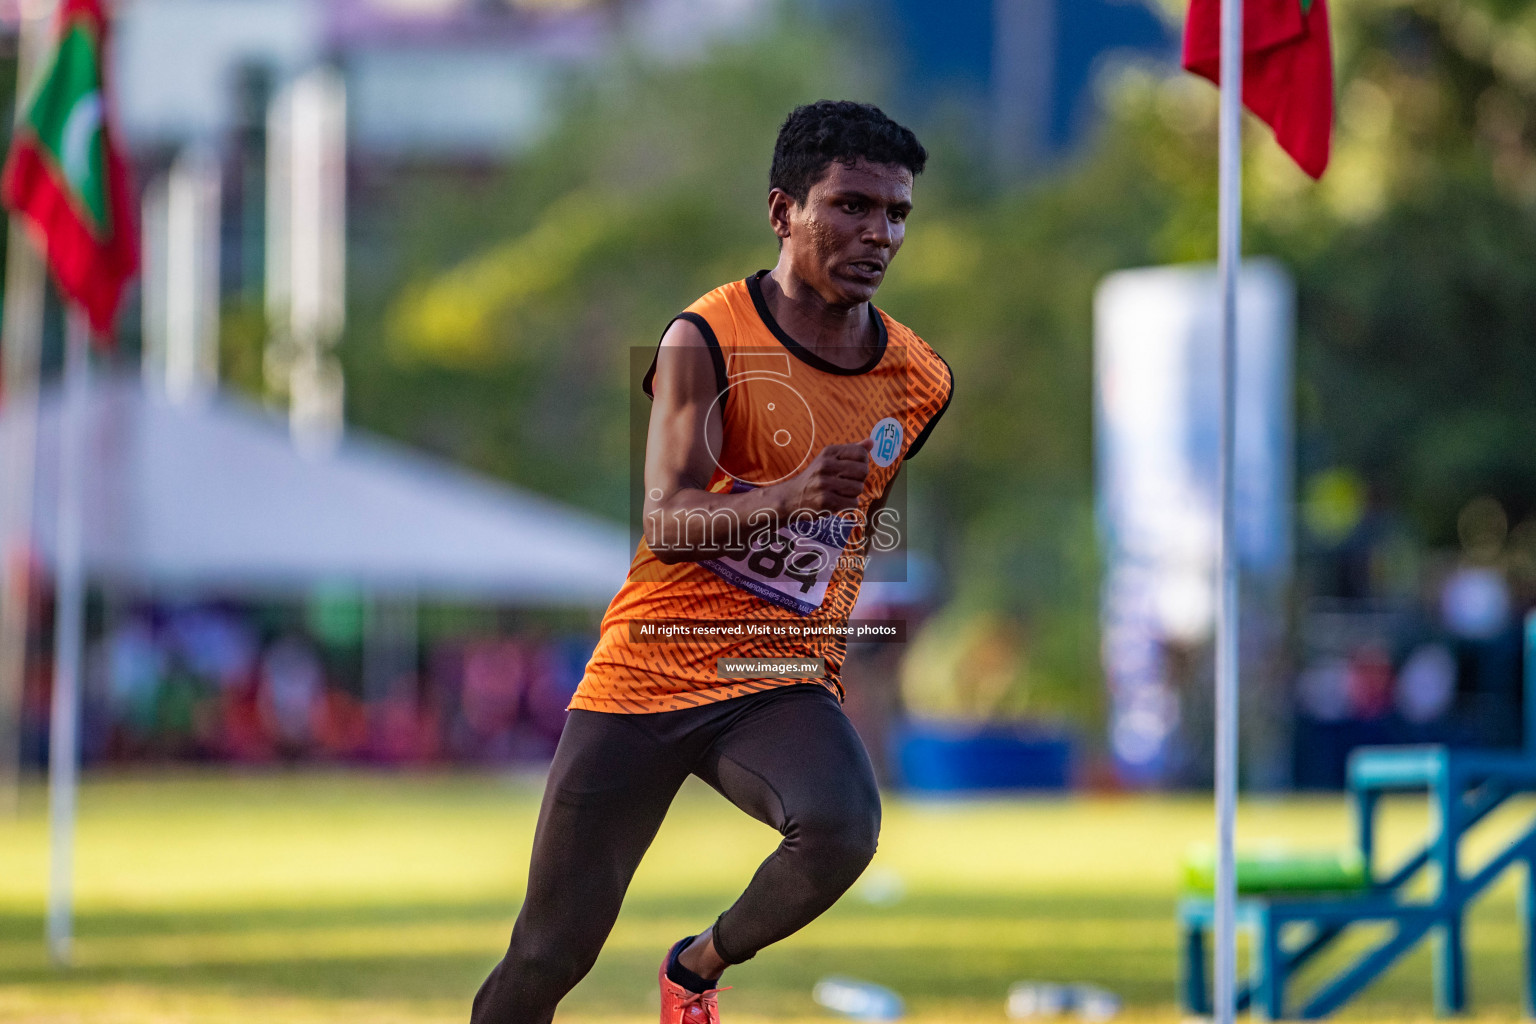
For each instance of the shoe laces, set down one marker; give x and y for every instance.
(700, 1007)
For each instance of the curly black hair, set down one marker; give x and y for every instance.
(814, 135)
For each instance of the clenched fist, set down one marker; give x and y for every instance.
(834, 479)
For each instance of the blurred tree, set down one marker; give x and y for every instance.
(1414, 255)
(1419, 293)
(502, 331)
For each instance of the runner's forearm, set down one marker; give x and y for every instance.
(693, 525)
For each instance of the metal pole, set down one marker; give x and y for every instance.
(69, 628)
(306, 265)
(181, 278)
(21, 341)
(1228, 264)
(21, 337)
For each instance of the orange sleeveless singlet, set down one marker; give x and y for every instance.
(780, 405)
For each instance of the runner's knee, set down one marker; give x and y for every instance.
(545, 968)
(839, 847)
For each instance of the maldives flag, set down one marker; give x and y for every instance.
(1287, 69)
(66, 178)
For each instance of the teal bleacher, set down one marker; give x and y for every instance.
(1463, 788)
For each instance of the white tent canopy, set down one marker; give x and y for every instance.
(213, 497)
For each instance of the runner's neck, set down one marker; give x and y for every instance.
(844, 337)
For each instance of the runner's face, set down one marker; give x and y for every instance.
(847, 232)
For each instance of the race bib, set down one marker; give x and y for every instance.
(791, 565)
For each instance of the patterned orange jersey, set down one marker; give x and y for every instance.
(780, 404)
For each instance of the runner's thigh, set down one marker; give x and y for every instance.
(609, 788)
(794, 759)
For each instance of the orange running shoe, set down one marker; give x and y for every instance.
(680, 1006)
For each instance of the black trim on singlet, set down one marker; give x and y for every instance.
(715, 356)
(805, 355)
(928, 427)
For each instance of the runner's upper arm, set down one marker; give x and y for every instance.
(685, 422)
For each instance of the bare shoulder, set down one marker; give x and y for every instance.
(683, 333)
(685, 366)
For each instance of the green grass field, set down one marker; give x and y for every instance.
(384, 898)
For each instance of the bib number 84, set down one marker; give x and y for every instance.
(779, 556)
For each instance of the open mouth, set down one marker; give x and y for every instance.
(868, 268)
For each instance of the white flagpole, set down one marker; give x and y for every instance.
(20, 344)
(1228, 264)
(69, 623)
(21, 340)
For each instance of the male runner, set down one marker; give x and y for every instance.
(783, 406)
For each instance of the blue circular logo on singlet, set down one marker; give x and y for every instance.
(887, 438)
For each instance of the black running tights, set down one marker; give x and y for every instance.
(787, 757)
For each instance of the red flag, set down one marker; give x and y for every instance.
(65, 175)
(1287, 69)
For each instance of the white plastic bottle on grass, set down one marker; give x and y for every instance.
(1094, 1004)
(860, 1000)
(1033, 1000)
